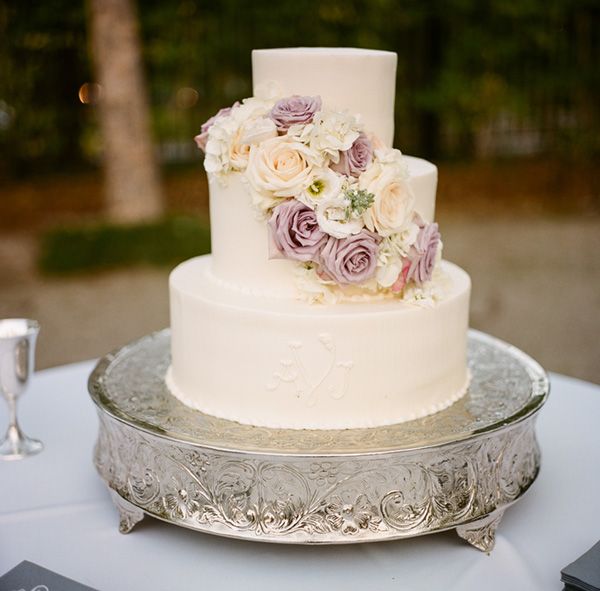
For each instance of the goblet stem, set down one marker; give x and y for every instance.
(13, 433)
(16, 444)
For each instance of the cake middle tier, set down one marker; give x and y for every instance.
(240, 243)
(286, 363)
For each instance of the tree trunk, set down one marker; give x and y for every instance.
(132, 184)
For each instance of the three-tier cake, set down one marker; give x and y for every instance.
(325, 303)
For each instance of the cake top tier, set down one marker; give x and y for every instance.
(362, 81)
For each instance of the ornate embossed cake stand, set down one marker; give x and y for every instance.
(459, 468)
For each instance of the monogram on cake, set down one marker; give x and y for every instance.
(325, 303)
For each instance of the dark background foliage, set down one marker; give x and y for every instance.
(483, 79)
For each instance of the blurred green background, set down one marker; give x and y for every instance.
(502, 95)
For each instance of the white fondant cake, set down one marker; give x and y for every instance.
(324, 303)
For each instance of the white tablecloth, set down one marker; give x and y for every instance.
(55, 511)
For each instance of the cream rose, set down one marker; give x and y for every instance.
(279, 167)
(394, 200)
(238, 151)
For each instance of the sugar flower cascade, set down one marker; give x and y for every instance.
(334, 198)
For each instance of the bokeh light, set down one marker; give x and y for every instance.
(186, 97)
(90, 93)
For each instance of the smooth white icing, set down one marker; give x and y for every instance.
(284, 363)
(361, 81)
(423, 182)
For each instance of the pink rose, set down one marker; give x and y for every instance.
(294, 110)
(202, 137)
(350, 260)
(422, 255)
(400, 282)
(356, 159)
(295, 232)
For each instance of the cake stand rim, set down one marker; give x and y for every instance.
(540, 389)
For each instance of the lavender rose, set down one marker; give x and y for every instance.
(357, 158)
(350, 260)
(295, 232)
(423, 253)
(294, 110)
(202, 137)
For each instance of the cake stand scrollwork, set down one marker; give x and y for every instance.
(459, 469)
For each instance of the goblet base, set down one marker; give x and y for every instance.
(17, 449)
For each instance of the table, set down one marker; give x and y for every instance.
(55, 511)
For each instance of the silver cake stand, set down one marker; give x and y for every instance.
(459, 468)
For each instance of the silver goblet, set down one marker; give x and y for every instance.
(17, 354)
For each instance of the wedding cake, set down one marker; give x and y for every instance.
(325, 303)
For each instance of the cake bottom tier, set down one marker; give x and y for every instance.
(288, 364)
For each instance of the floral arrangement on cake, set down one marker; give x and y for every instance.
(335, 199)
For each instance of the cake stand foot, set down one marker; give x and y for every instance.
(481, 533)
(129, 515)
